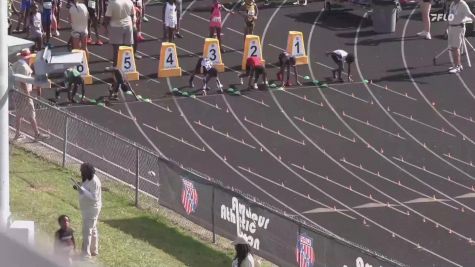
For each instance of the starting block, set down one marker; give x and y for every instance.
(252, 48)
(212, 51)
(126, 63)
(296, 47)
(83, 68)
(168, 65)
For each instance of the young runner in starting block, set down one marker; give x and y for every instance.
(119, 81)
(285, 62)
(209, 72)
(254, 68)
(72, 79)
(340, 57)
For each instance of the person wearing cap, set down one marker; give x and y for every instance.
(25, 108)
(459, 12)
(254, 68)
(243, 256)
(340, 56)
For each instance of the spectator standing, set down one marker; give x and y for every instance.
(92, 6)
(251, 10)
(90, 203)
(64, 243)
(11, 11)
(179, 10)
(79, 21)
(25, 107)
(215, 23)
(138, 5)
(458, 14)
(425, 13)
(46, 16)
(170, 20)
(118, 21)
(24, 13)
(35, 29)
(243, 256)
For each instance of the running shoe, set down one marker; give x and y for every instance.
(99, 42)
(425, 35)
(140, 37)
(145, 19)
(41, 137)
(255, 86)
(137, 56)
(56, 33)
(178, 35)
(89, 41)
(296, 3)
(456, 70)
(304, 3)
(241, 81)
(453, 67)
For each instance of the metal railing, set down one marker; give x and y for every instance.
(201, 199)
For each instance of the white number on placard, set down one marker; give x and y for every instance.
(170, 58)
(297, 46)
(127, 64)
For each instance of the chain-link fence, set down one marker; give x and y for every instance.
(282, 239)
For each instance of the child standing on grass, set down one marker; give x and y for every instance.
(64, 244)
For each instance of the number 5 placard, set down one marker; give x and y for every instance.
(213, 53)
(83, 68)
(296, 47)
(126, 63)
(252, 48)
(168, 65)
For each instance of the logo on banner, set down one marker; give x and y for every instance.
(189, 196)
(304, 251)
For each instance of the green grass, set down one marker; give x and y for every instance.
(41, 191)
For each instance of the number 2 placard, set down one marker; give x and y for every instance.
(252, 48)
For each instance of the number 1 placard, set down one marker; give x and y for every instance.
(83, 68)
(126, 63)
(213, 53)
(296, 47)
(168, 65)
(252, 48)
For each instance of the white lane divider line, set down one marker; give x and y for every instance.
(235, 31)
(386, 88)
(367, 123)
(455, 114)
(260, 125)
(248, 170)
(322, 127)
(448, 155)
(411, 118)
(304, 98)
(398, 183)
(424, 169)
(227, 135)
(180, 140)
(196, 16)
(352, 95)
(255, 100)
(349, 188)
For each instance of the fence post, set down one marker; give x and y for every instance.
(137, 178)
(65, 144)
(212, 216)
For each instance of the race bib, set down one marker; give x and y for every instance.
(92, 4)
(37, 24)
(47, 5)
(216, 19)
(207, 64)
(251, 13)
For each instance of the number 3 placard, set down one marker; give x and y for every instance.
(212, 52)
(126, 63)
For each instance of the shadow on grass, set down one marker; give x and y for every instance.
(189, 251)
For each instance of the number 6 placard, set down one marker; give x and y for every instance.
(168, 65)
(213, 53)
(83, 68)
(126, 63)
(296, 47)
(252, 48)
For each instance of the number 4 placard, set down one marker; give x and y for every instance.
(168, 66)
(126, 63)
(83, 68)
(252, 48)
(296, 47)
(213, 53)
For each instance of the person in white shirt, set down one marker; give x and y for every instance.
(340, 56)
(459, 12)
(425, 13)
(79, 16)
(243, 256)
(118, 21)
(170, 20)
(90, 203)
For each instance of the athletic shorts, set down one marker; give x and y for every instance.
(212, 72)
(25, 5)
(455, 36)
(25, 108)
(92, 12)
(46, 17)
(259, 70)
(78, 35)
(121, 35)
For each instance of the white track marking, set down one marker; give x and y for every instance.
(276, 132)
(367, 123)
(411, 118)
(459, 160)
(323, 128)
(227, 135)
(455, 114)
(178, 139)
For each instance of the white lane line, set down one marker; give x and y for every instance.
(308, 197)
(448, 155)
(178, 139)
(349, 188)
(323, 128)
(227, 135)
(411, 118)
(386, 88)
(201, 18)
(235, 31)
(277, 47)
(389, 180)
(424, 169)
(257, 101)
(455, 114)
(403, 55)
(367, 123)
(304, 98)
(352, 95)
(260, 125)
